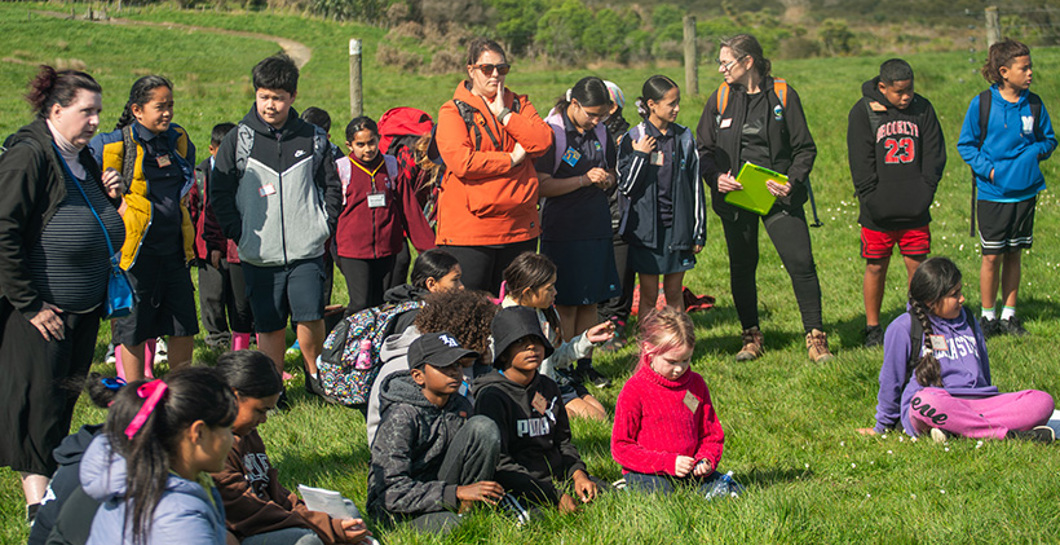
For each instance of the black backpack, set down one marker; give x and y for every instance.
(985, 99)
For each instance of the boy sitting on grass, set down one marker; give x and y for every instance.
(430, 459)
(535, 442)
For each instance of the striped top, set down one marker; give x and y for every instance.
(69, 265)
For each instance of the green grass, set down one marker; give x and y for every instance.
(790, 424)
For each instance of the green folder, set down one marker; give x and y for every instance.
(755, 196)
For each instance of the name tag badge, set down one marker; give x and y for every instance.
(163, 161)
(691, 402)
(571, 156)
(266, 190)
(938, 343)
(376, 200)
(726, 123)
(538, 403)
(657, 158)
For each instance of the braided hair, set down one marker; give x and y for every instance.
(934, 279)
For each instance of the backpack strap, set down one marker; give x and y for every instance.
(559, 132)
(985, 98)
(391, 167)
(875, 111)
(780, 88)
(128, 161)
(244, 143)
(916, 344)
(467, 113)
(723, 97)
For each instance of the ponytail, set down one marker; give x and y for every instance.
(928, 370)
(590, 91)
(654, 90)
(49, 88)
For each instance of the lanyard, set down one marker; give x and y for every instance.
(370, 173)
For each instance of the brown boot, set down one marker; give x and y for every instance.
(752, 344)
(817, 344)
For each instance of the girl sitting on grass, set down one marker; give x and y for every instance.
(666, 431)
(940, 384)
(150, 467)
(258, 509)
(530, 281)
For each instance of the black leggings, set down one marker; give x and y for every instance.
(365, 281)
(483, 266)
(791, 238)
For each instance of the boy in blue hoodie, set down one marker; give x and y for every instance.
(1005, 161)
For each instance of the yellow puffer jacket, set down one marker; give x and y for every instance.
(109, 151)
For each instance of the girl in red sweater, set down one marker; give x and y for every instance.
(666, 431)
(379, 208)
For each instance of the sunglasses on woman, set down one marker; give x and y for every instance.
(487, 69)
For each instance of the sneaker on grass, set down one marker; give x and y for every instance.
(511, 507)
(873, 336)
(989, 326)
(1039, 434)
(1012, 326)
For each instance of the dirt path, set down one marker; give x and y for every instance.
(298, 51)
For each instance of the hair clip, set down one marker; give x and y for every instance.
(113, 383)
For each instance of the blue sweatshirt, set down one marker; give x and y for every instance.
(1010, 149)
(965, 367)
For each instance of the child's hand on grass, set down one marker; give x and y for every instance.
(354, 530)
(584, 486)
(601, 332)
(487, 491)
(567, 504)
(683, 465)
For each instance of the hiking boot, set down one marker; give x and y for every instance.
(989, 326)
(1039, 434)
(817, 344)
(588, 374)
(940, 435)
(873, 336)
(753, 340)
(282, 403)
(1011, 326)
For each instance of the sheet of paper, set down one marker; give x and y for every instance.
(326, 501)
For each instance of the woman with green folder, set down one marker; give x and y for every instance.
(756, 118)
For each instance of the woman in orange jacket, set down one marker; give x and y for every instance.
(488, 137)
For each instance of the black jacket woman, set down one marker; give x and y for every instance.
(760, 120)
(54, 266)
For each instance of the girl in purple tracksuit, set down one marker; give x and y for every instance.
(946, 390)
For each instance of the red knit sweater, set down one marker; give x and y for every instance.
(655, 423)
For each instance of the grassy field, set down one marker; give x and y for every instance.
(790, 424)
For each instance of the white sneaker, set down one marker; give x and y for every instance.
(161, 351)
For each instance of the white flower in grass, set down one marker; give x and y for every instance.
(842, 443)
(947, 449)
(852, 466)
(912, 496)
(890, 452)
(868, 495)
(942, 491)
(913, 439)
(884, 436)
(901, 439)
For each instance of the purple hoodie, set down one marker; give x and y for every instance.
(965, 367)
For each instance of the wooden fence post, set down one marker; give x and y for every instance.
(691, 57)
(993, 26)
(356, 102)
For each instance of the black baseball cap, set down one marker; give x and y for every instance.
(438, 349)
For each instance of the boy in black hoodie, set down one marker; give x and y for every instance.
(536, 448)
(897, 154)
(429, 458)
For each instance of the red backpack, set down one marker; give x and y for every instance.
(403, 121)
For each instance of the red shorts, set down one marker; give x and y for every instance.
(880, 244)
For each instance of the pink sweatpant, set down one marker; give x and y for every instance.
(976, 417)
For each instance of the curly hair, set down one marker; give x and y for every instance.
(466, 314)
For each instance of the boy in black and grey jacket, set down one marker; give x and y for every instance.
(537, 457)
(897, 154)
(430, 457)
